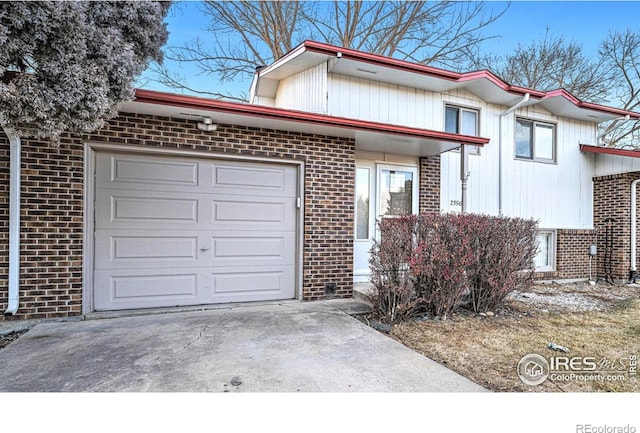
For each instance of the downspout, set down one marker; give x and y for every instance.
(601, 136)
(464, 176)
(517, 105)
(632, 264)
(254, 85)
(14, 222)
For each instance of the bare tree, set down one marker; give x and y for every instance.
(552, 63)
(621, 54)
(249, 34)
(64, 66)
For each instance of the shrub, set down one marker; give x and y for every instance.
(439, 260)
(393, 296)
(427, 263)
(503, 254)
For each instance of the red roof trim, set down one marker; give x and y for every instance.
(610, 151)
(187, 101)
(459, 77)
(589, 105)
(418, 68)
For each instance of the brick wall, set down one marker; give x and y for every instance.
(611, 201)
(572, 257)
(52, 204)
(429, 194)
(51, 225)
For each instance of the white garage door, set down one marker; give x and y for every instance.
(180, 231)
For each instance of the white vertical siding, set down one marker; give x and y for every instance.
(305, 91)
(614, 164)
(482, 185)
(264, 100)
(381, 102)
(559, 195)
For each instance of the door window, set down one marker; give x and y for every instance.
(396, 192)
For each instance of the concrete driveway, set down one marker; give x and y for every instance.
(280, 347)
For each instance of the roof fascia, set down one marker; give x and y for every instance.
(382, 61)
(610, 151)
(562, 93)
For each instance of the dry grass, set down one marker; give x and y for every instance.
(487, 350)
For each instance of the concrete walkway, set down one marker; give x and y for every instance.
(280, 347)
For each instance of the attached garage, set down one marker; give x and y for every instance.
(173, 231)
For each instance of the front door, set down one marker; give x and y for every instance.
(382, 190)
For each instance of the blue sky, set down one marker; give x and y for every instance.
(586, 22)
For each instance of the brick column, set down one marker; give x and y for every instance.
(429, 193)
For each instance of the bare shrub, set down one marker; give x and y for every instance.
(427, 263)
(393, 296)
(439, 261)
(503, 254)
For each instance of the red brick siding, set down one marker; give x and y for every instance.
(52, 206)
(51, 225)
(612, 199)
(572, 257)
(429, 194)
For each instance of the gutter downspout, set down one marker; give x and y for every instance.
(517, 105)
(601, 136)
(14, 222)
(464, 176)
(632, 264)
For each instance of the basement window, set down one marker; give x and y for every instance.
(545, 260)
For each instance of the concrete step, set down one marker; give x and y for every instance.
(362, 291)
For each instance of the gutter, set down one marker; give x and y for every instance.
(517, 105)
(14, 222)
(600, 140)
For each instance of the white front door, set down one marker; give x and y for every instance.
(382, 190)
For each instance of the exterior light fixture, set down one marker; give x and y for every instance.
(207, 125)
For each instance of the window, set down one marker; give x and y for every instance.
(463, 121)
(535, 141)
(545, 260)
(396, 192)
(362, 203)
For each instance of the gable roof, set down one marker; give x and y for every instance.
(372, 136)
(485, 84)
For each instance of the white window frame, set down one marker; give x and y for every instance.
(551, 251)
(414, 192)
(535, 123)
(473, 150)
(370, 178)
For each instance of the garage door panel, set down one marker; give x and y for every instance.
(253, 213)
(264, 180)
(149, 288)
(145, 209)
(249, 249)
(179, 231)
(256, 283)
(118, 249)
(151, 173)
